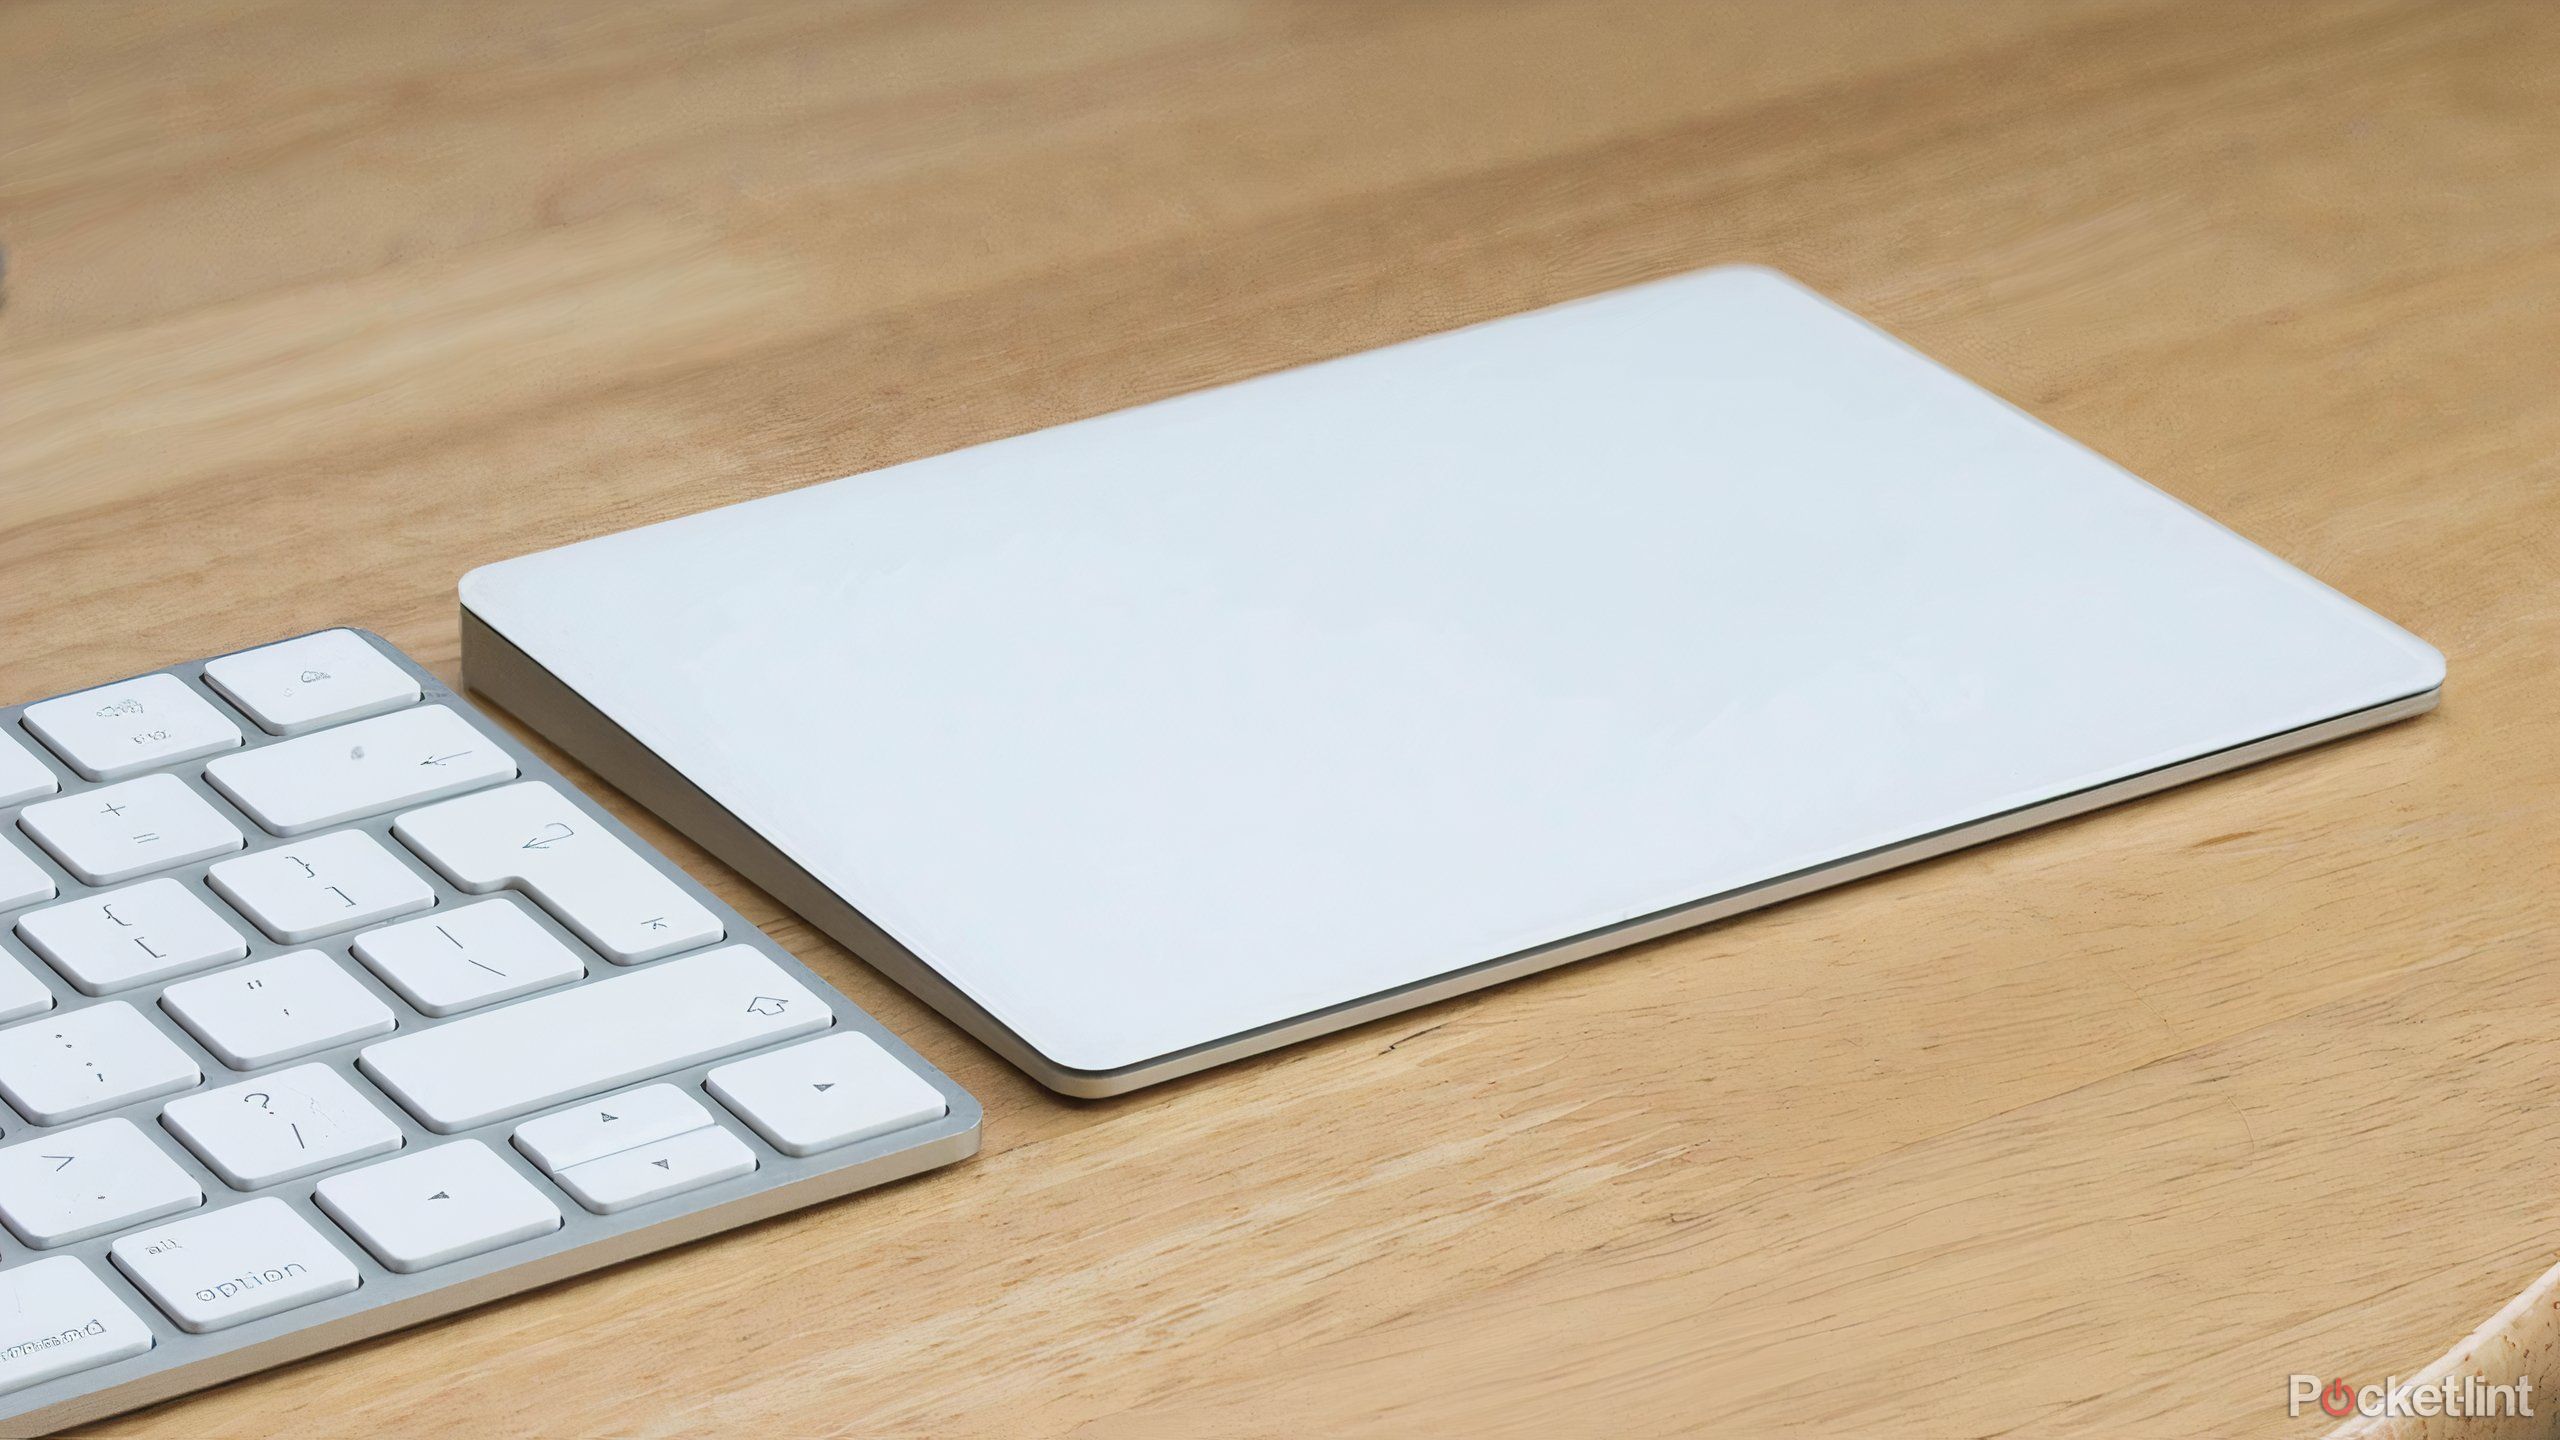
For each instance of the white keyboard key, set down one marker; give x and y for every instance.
(437, 1206)
(281, 1127)
(328, 777)
(608, 1126)
(76, 1063)
(88, 1181)
(658, 1169)
(58, 1318)
(530, 837)
(469, 956)
(22, 775)
(277, 1009)
(237, 1264)
(312, 681)
(22, 881)
(132, 725)
(559, 1047)
(21, 994)
(127, 937)
(320, 887)
(131, 829)
(824, 1094)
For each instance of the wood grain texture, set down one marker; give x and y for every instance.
(2100, 1131)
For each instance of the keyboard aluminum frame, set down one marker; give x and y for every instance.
(386, 1300)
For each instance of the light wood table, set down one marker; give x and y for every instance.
(2104, 1131)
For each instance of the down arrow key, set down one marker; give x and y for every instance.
(690, 1161)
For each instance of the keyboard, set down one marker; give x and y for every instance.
(326, 1008)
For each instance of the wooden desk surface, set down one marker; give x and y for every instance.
(2103, 1131)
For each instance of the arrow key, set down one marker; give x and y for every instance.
(657, 1170)
(615, 1123)
(437, 1206)
(825, 1093)
(88, 1181)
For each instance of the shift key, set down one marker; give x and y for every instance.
(570, 1044)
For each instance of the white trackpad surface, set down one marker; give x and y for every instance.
(1187, 720)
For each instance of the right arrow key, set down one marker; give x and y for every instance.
(825, 1093)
